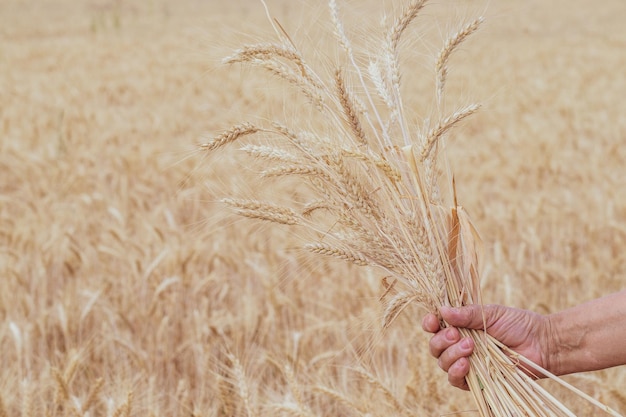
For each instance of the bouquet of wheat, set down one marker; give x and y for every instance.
(385, 195)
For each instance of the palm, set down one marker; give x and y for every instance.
(521, 331)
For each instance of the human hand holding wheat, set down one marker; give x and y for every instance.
(587, 337)
(525, 332)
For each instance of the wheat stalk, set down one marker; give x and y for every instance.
(378, 201)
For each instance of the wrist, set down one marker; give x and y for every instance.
(551, 348)
(567, 338)
(587, 337)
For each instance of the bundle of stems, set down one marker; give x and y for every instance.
(384, 194)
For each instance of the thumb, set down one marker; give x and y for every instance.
(473, 316)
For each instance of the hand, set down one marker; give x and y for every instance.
(525, 332)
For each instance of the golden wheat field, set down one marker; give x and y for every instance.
(128, 289)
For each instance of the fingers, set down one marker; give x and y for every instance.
(443, 340)
(457, 373)
(454, 353)
(473, 316)
(447, 345)
(430, 323)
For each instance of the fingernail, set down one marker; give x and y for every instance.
(450, 334)
(466, 344)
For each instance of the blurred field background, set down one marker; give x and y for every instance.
(126, 289)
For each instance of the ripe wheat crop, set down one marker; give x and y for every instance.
(127, 289)
(384, 195)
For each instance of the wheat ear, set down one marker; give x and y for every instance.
(230, 135)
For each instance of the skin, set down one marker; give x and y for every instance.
(588, 337)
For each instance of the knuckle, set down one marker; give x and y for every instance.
(454, 381)
(433, 348)
(436, 345)
(445, 361)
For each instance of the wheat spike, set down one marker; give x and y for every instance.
(344, 254)
(124, 410)
(396, 305)
(293, 385)
(27, 399)
(352, 188)
(230, 135)
(293, 170)
(271, 153)
(264, 211)
(268, 54)
(302, 140)
(380, 387)
(403, 21)
(63, 391)
(390, 58)
(92, 397)
(444, 126)
(228, 400)
(441, 67)
(341, 398)
(309, 89)
(391, 172)
(349, 111)
(241, 385)
(313, 206)
(265, 51)
(339, 29)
